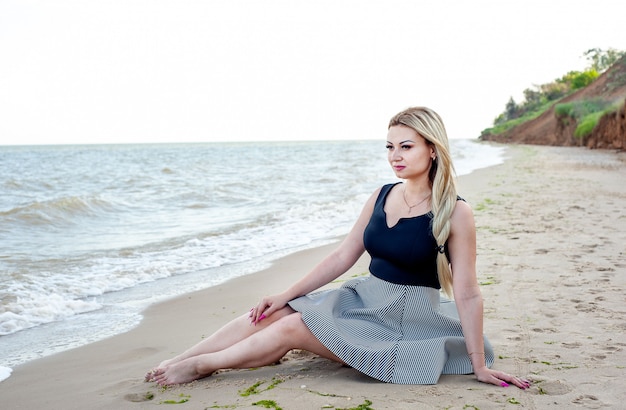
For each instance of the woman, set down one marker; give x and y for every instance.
(392, 325)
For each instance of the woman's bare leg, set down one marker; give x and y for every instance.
(228, 335)
(261, 348)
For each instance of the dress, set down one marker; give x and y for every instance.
(394, 332)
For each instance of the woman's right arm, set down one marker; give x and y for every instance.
(329, 269)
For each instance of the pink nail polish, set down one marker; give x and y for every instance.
(262, 317)
(504, 384)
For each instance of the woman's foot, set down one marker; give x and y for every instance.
(165, 363)
(150, 375)
(177, 373)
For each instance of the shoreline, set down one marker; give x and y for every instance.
(133, 314)
(551, 229)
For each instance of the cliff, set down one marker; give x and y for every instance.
(550, 129)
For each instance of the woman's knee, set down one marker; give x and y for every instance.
(291, 326)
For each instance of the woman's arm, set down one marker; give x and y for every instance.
(469, 301)
(329, 269)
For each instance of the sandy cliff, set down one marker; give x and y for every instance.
(549, 129)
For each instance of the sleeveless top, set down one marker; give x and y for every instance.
(405, 253)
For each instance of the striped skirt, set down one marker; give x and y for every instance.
(394, 333)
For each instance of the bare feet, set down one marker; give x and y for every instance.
(181, 372)
(150, 375)
(165, 363)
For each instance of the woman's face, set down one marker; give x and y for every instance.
(409, 154)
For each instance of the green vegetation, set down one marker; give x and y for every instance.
(254, 388)
(364, 406)
(489, 281)
(588, 124)
(601, 60)
(587, 113)
(501, 125)
(324, 394)
(184, 398)
(268, 404)
(484, 204)
(543, 97)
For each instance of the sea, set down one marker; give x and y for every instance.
(90, 235)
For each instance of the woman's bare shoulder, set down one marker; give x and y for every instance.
(462, 216)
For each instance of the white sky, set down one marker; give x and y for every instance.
(108, 71)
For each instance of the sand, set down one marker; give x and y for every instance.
(552, 267)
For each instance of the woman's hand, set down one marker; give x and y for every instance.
(266, 307)
(499, 378)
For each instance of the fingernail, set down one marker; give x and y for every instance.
(504, 384)
(262, 317)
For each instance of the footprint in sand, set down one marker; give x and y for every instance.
(573, 345)
(552, 388)
(544, 330)
(139, 397)
(586, 308)
(589, 401)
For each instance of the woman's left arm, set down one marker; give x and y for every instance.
(469, 301)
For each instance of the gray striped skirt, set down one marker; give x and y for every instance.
(394, 333)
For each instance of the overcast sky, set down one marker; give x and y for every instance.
(109, 71)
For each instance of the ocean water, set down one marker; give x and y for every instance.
(91, 235)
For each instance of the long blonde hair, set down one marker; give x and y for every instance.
(429, 125)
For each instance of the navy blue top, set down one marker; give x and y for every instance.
(405, 253)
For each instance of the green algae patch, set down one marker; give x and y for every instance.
(268, 404)
(364, 406)
(254, 389)
(184, 398)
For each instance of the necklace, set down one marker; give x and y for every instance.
(407, 202)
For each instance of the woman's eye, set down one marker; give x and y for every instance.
(389, 147)
(405, 147)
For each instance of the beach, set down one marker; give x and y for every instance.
(551, 232)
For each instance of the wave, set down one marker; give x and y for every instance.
(16, 315)
(470, 155)
(64, 210)
(65, 290)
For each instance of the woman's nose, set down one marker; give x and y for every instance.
(394, 155)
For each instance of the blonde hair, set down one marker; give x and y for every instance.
(429, 125)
